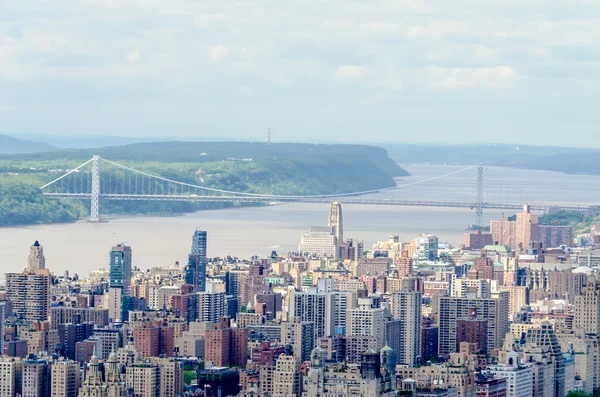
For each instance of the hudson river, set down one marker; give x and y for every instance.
(243, 232)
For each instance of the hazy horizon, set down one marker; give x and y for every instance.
(124, 140)
(408, 71)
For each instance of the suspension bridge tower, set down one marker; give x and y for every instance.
(95, 196)
(479, 204)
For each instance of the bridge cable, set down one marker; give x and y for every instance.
(286, 196)
(68, 173)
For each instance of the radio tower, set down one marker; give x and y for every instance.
(479, 201)
(269, 137)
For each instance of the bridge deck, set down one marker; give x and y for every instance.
(269, 199)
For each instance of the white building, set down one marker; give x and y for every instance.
(519, 376)
(320, 241)
(425, 247)
(466, 288)
(367, 320)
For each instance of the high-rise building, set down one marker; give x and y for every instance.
(545, 337)
(211, 306)
(335, 220)
(286, 377)
(429, 340)
(494, 310)
(424, 247)
(300, 335)
(195, 271)
(109, 340)
(484, 266)
(527, 229)
(552, 236)
(225, 346)
(367, 320)
(11, 371)
(519, 376)
(318, 308)
(320, 241)
(154, 338)
(344, 301)
(65, 314)
(65, 378)
(2, 331)
(404, 264)
(36, 378)
(29, 294)
(171, 377)
(477, 240)
(143, 379)
(36, 259)
(472, 329)
(523, 232)
(587, 309)
(115, 304)
(70, 334)
(406, 307)
(119, 282)
(120, 268)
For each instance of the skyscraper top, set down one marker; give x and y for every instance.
(335, 220)
(199, 242)
(36, 259)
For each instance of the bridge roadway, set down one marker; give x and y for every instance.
(289, 199)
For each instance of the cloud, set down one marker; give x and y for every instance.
(218, 53)
(349, 71)
(45, 42)
(133, 56)
(498, 77)
(6, 108)
(244, 89)
(481, 52)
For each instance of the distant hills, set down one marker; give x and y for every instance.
(549, 158)
(100, 141)
(206, 152)
(9, 144)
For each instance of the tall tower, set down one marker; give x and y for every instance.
(120, 268)
(195, 272)
(406, 307)
(587, 309)
(36, 259)
(119, 280)
(29, 291)
(335, 220)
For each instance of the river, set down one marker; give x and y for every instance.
(243, 232)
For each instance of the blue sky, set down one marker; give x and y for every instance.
(518, 71)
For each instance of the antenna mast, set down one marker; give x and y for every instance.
(269, 136)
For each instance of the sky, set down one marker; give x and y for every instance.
(456, 71)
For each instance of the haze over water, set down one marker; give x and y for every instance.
(243, 232)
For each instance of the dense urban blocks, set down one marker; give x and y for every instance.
(494, 318)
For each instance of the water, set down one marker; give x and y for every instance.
(243, 232)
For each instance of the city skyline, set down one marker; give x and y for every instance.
(419, 316)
